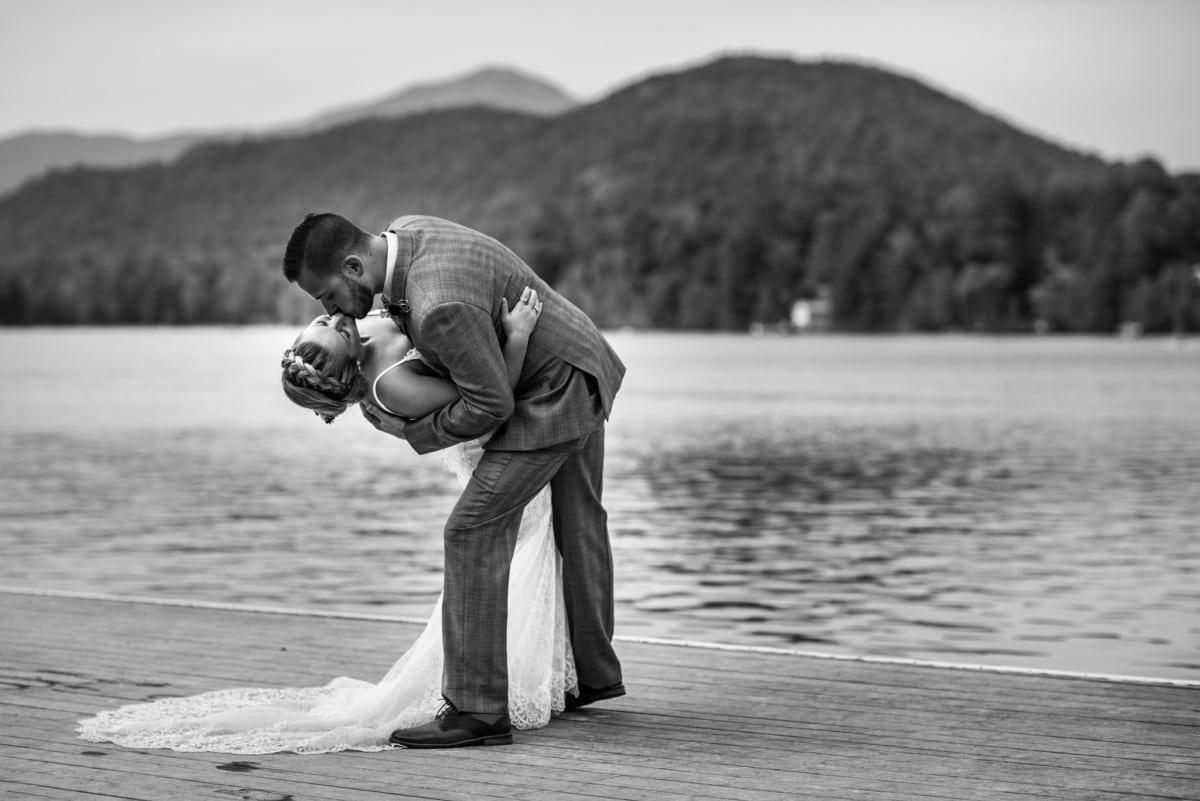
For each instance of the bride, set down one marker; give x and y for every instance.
(334, 363)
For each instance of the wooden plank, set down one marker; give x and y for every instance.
(699, 724)
(689, 739)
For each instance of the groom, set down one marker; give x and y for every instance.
(443, 284)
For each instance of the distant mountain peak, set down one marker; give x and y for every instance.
(33, 153)
(490, 72)
(495, 86)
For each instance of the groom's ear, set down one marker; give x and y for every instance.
(352, 265)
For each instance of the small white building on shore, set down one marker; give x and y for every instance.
(811, 315)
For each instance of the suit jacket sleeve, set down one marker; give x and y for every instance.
(463, 337)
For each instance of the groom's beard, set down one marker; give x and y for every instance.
(362, 297)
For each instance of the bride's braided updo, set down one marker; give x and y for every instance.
(317, 379)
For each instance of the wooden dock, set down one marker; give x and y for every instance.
(698, 723)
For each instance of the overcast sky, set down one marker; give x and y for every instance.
(1120, 78)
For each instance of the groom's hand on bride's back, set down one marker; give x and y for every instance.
(387, 423)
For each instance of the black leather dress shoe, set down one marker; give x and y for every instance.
(453, 729)
(590, 695)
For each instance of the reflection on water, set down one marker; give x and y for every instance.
(996, 501)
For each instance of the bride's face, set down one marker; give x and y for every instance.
(337, 334)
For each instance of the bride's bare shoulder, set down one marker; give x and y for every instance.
(377, 326)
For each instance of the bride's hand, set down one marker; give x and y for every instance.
(518, 323)
(387, 423)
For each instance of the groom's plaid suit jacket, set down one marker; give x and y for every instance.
(453, 279)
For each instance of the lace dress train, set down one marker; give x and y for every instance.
(351, 714)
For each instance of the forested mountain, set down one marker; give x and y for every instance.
(28, 154)
(705, 199)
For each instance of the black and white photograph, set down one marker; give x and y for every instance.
(637, 401)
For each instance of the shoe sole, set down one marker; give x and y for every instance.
(608, 695)
(496, 739)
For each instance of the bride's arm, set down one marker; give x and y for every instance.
(411, 394)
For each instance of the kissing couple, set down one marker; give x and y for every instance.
(475, 356)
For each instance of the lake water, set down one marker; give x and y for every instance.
(1028, 502)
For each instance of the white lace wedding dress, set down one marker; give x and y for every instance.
(351, 714)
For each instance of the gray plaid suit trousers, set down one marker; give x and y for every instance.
(480, 537)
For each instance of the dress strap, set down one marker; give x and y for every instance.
(412, 355)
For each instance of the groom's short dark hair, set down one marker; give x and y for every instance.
(320, 242)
